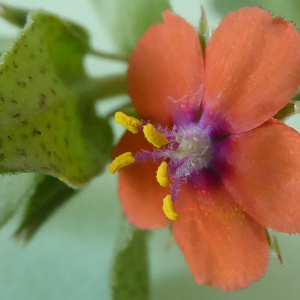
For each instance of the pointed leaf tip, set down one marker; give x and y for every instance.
(14, 15)
(204, 31)
(274, 245)
(14, 190)
(50, 194)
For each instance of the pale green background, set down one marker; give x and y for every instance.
(71, 256)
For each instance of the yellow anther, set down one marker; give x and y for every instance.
(154, 137)
(162, 175)
(168, 208)
(121, 161)
(129, 123)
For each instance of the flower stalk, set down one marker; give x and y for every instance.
(106, 55)
(101, 88)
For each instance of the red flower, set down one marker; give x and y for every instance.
(232, 168)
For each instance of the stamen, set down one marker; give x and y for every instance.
(168, 208)
(187, 151)
(154, 137)
(121, 161)
(162, 175)
(130, 123)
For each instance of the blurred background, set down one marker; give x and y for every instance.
(71, 256)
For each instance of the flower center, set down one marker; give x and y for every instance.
(194, 148)
(183, 151)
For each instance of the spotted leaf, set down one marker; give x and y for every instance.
(47, 126)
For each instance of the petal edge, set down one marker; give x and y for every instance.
(140, 194)
(263, 174)
(252, 67)
(165, 75)
(223, 246)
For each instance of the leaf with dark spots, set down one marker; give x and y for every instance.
(50, 194)
(41, 110)
(66, 45)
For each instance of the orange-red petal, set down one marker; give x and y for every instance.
(140, 194)
(224, 247)
(263, 175)
(165, 75)
(252, 65)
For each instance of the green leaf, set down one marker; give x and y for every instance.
(130, 270)
(127, 21)
(274, 245)
(50, 194)
(14, 15)
(203, 32)
(296, 96)
(288, 111)
(47, 125)
(289, 10)
(13, 191)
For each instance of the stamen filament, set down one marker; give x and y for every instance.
(130, 123)
(168, 208)
(154, 137)
(121, 161)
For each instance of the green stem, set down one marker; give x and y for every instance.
(105, 55)
(130, 273)
(103, 87)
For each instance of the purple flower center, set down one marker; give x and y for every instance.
(188, 151)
